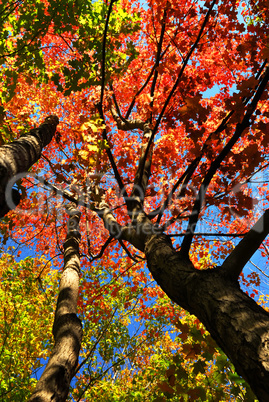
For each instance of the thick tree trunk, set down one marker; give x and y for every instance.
(18, 156)
(54, 383)
(236, 322)
(238, 325)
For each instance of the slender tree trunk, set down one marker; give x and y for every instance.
(18, 156)
(54, 383)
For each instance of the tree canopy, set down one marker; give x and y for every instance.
(161, 143)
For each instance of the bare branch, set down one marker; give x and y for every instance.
(142, 174)
(159, 49)
(103, 248)
(65, 194)
(209, 234)
(154, 131)
(240, 127)
(235, 262)
(256, 266)
(127, 125)
(183, 68)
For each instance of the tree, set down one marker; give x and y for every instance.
(67, 329)
(22, 303)
(18, 156)
(150, 156)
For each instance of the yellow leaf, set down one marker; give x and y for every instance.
(92, 148)
(94, 125)
(85, 155)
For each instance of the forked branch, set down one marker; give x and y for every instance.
(240, 127)
(126, 125)
(180, 74)
(241, 254)
(118, 231)
(100, 105)
(143, 173)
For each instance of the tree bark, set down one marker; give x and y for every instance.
(18, 156)
(238, 325)
(236, 322)
(54, 383)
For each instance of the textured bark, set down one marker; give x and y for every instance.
(54, 383)
(18, 156)
(238, 325)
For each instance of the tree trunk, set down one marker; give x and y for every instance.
(238, 325)
(54, 383)
(236, 322)
(18, 156)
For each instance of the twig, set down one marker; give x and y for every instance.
(240, 127)
(154, 131)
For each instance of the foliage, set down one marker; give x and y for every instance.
(58, 58)
(131, 351)
(34, 33)
(25, 333)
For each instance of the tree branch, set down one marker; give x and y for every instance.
(183, 67)
(145, 83)
(103, 64)
(127, 251)
(154, 131)
(18, 156)
(158, 56)
(100, 104)
(240, 127)
(209, 234)
(144, 166)
(128, 233)
(143, 170)
(184, 179)
(101, 252)
(186, 176)
(126, 125)
(116, 103)
(235, 262)
(139, 92)
(65, 194)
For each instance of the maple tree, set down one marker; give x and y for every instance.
(150, 157)
(67, 329)
(166, 365)
(22, 303)
(18, 156)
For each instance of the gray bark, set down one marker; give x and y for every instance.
(238, 325)
(54, 382)
(18, 156)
